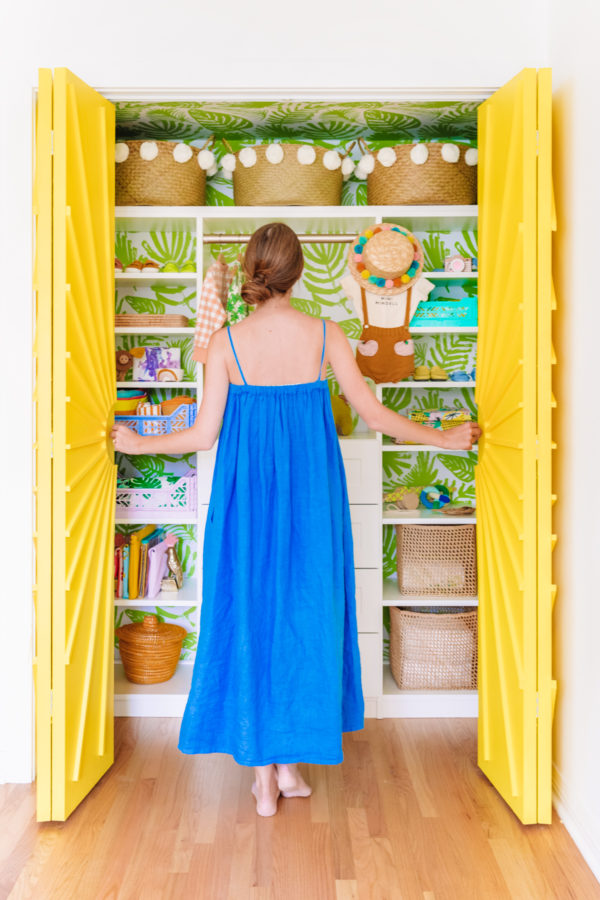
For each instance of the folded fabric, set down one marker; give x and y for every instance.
(210, 313)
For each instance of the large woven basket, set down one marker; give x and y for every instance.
(150, 650)
(433, 182)
(286, 183)
(434, 651)
(436, 560)
(162, 181)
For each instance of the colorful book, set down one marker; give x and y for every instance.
(134, 559)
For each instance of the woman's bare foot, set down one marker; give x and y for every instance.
(265, 790)
(290, 781)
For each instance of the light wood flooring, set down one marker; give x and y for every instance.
(407, 815)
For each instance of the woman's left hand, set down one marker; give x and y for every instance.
(125, 439)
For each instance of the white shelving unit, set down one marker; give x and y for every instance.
(362, 452)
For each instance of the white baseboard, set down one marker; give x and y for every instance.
(586, 834)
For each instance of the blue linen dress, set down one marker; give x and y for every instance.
(277, 675)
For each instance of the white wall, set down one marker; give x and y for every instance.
(269, 44)
(574, 57)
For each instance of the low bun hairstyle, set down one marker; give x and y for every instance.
(273, 262)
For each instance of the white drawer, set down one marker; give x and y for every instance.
(366, 533)
(362, 462)
(368, 599)
(370, 663)
(206, 464)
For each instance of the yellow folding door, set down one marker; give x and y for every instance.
(512, 476)
(74, 625)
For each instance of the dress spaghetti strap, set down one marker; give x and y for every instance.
(235, 354)
(320, 378)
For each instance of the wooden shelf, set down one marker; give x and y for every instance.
(424, 517)
(392, 597)
(186, 597)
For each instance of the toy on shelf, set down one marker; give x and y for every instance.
(435, 496)
(173, 562)
(345, 422)
(124, 363)
(457, 263)
(402, 497)
(452, 313)
(156, 364)
(181, 415)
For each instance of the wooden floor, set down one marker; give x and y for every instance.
(407, 815)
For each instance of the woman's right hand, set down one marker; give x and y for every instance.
(461, 437)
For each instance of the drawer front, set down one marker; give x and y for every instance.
(366, 533)
(368, 599)
(370, 663)
(206, 464)
(362, 461)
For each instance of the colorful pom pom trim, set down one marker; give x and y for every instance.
(375, 279)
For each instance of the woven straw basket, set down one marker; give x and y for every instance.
(436, 560)
(150, 650)
(435, 181)
(161, 181)
(286, 183)
(433, 650)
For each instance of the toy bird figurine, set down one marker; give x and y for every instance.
(173, 562)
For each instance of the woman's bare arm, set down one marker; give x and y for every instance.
(205, 430)
(375, 414)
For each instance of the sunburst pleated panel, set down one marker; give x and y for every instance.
(83, 469)
(505, 480)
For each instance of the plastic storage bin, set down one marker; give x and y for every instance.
(181, 418)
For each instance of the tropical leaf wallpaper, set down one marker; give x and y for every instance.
(318, 293)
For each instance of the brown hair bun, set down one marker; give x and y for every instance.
(273, 262)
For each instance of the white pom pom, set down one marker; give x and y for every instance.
(206, 159)
(471, 156)
(212, 171)
(419, 154)
(227, 173)
(149, 150)
(306, 155)
(182, 153)
(367, 163)
(360, 172)
(332, 160)
(274, 153)
(347, 168)
(247, 157)
(386, 156)
(450, 153)
(228, 162)
(121, 152)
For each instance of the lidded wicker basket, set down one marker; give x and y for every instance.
(150, 650)
(158, 173)
(287, 175)
(437, 560)
(432, 650)
(425, 173)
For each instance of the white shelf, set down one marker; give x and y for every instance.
(130, 278)
(424, 517)
(188, 385)
(186, 597)
(168, 517)
(398, 703)
(392, 597)
(451, 276)
(165, 699)
(443, 329)
(153, 329)
(414, 385)
(431, 448)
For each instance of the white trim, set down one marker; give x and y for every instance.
(579, 829)
(245, 94)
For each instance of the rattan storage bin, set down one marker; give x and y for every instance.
(150, 650)
(435, 181)
(436, 560)
(288, 182)
(161, 181)
(433, 651)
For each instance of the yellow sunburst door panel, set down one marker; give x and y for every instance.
(83, 472)
(513, 474)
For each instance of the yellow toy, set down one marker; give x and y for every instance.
(342, 414)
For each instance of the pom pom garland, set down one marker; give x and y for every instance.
(360, 172)
(367, 163)
(212, 171)
(274, 153)
(347, 168)
(332, 160)
(121, 152)
(450, 153)
(228, 162)
(471, 156)
(386, 156)
(419, 154)
(149, 150)
(181, 153)
(306, 155)
(247, 157)
(206, 159)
